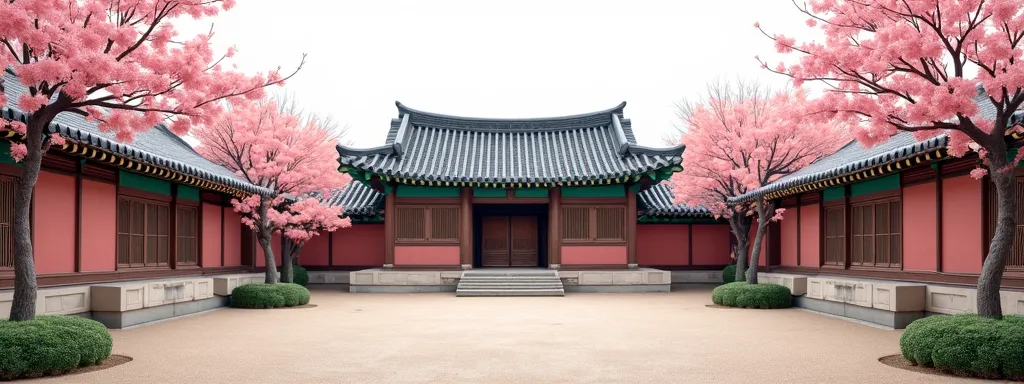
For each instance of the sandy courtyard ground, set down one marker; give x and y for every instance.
(439, 338)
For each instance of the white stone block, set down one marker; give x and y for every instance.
(951, 300)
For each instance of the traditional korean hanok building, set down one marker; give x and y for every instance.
(890, 233)
(554, 193)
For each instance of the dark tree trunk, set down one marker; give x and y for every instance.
(264, 236)
(740, 225)
(291, 253)
(991, 277)
(24, 305)
(763, 218)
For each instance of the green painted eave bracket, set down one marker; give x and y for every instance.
(188, 192)
(5, 153)
(530, 192)
(613, 190)
(834, 193)
(489, 192)
(884, 183)
(421, 191)
(144, 183)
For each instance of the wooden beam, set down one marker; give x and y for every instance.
(466, 227)
(389, 230)
(554, 228)
(631, 229)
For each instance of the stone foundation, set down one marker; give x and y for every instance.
(697, 277)
(385, 280)
(640, 280)
(329, 277)
(53, 301)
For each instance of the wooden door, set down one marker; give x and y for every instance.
(494, 242)
(524, 241)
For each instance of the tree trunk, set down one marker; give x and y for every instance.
(24, 305)
(263, 235)
(740, 225)
(762, 227)
(291, 253)
(991, 277)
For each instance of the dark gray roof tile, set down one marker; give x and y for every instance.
(657, 201)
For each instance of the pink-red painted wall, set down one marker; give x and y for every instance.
(919, 223)
(426, 255)
(99, 236)
(211, 235)
(54, 223)
(361, 245)
(594, 254)
(232, 238)
(961, 225)
(810, 235)
(662, 244)
(275, 246)
(788, 230)
(316, 251)
(711, 244)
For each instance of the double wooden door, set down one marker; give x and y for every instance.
(509, 241)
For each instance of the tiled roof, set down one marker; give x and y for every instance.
(157, 146)
(357, 199)
(657, 201)
(588, 148)
(854, 158)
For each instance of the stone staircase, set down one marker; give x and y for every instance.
(510, 282)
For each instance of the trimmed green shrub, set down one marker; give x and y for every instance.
(300, 276)
(743, 295)
(729, 273)
(967, 345)
(269, 295)
(51, 345)
(293, 294)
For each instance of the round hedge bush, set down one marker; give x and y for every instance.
(967, 345)
(743, 295)
(300, 276)
(51, 345)
(269, 295)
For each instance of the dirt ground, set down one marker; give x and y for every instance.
(439, 338)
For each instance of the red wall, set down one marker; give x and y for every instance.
(594, 254)
(54, 223)
(232, 238)
(788, 234)
(919, 224)
(361, 245)
(275, 246)
(810, 235)
(426, 255)
(961, 225)
(99, 237)
(662, 244)
(316, 251)
(211, 235)
(711, 244)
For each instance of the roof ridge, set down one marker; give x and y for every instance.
(403, 109)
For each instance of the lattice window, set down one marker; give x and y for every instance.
(604, 223)
(576, 223)
(835, 235)
(875, 228)
(143, 229)
(1016, 257)
(187, 247)
(435, 224)
(8, 189)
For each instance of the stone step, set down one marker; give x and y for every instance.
(519, 280)
(511, 273)
(509, 286)
(511, 292)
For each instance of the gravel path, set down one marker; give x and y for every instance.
(438, 338)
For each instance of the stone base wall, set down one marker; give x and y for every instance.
(53, 301)
(890, 303)
(631, 280)
(697, 277)
(329, 277)
(384, 280)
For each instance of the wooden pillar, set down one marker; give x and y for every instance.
(466, 228)
(389, 230)
(631, 229)
(554, 228)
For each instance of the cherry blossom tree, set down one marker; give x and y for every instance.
(120, 63)
(303, 219)
(923, 66)
(742, 137)
(276, 146)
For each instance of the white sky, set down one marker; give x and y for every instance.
(502, 59)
